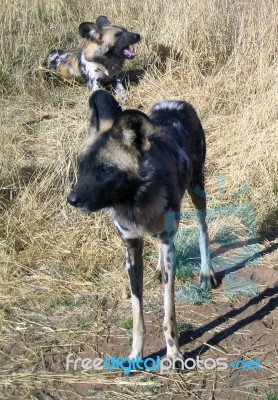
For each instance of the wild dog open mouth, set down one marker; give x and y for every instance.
(128, 53)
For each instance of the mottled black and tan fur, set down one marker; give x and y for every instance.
(102, 59)
(138, 168)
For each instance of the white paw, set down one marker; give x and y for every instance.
(207, 281)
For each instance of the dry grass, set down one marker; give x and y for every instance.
(62, 272)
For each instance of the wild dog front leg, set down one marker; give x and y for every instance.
(119, 88)
(93, 84)
(168, 260)
(134, 265)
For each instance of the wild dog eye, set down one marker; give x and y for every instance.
(83, 163)
(103, 172)
(118, 34)
(106, 169)
(100, 175)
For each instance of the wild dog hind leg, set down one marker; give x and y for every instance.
(134, 266)
(158, 274)
(207, 277)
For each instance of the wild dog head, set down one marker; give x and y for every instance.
(109, 171)
(109, 38)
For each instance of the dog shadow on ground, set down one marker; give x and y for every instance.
(132, 77)
(189, 336)
(128, 78)
(270, 292)
(272, 304)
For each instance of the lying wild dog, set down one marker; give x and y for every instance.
(102, 59)
(138, 168)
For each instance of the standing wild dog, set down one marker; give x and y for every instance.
(138, 168)
(102, 59)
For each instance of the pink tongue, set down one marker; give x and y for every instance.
(129, 53)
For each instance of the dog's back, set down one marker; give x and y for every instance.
(178, 147)
(180, 122)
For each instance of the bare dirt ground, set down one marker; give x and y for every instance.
(237, 329)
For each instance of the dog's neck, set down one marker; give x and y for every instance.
(144, 216)
(111, 62)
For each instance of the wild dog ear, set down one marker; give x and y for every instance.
(134, 128)
(104, 109)
(102, 21)
(90, 31)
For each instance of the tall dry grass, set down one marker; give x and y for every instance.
(221, 57)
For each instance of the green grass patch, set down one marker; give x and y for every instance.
(127, 323)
